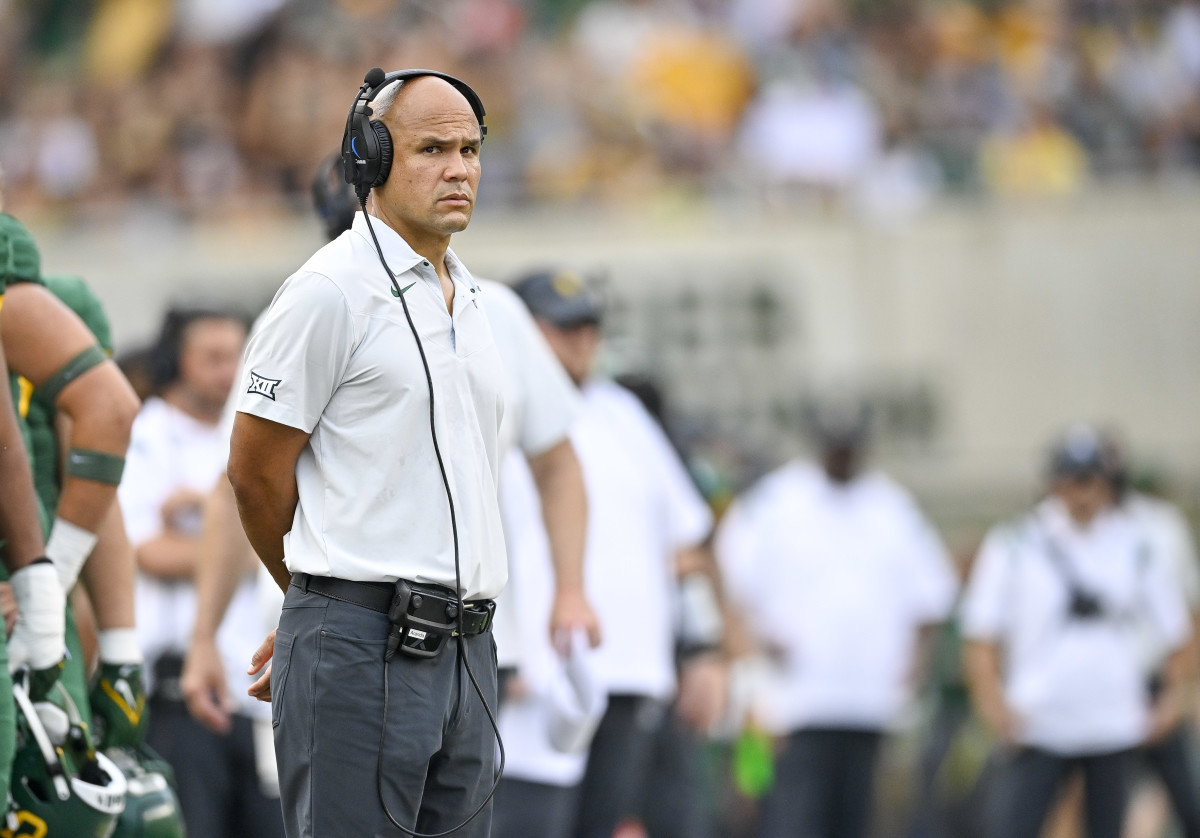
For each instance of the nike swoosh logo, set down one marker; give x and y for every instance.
(402, 290)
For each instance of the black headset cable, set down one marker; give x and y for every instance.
(461, 640)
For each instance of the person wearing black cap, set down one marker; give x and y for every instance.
(646, 525)
(839, 578)
(1054, 615)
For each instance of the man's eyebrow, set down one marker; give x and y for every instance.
(448, 141)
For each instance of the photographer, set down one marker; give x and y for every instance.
(1053, 616)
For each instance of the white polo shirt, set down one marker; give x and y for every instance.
(169, 451)
(525, 719)
(1076, 686)
(333, 356)
(642, 509)
(835, 580)
(540, 404)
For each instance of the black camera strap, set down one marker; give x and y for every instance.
(1066, 570)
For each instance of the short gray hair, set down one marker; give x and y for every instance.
(385, 98)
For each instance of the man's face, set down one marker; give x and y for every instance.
(430, 190)
(1085, 496)
(575, 346)
(208, 358)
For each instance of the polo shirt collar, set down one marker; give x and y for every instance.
(396, 251)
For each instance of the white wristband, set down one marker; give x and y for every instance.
(700, 620)
(119, 646)
(69, 547)
(37, 639)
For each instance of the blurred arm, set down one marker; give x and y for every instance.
(174, 552)
(109, 574)
(19, 520)
(560, 486)
(220, 568)
(41, 335)
(982, 668)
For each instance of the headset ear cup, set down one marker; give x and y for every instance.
(384, 138)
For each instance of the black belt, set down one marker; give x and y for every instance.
(377, 596)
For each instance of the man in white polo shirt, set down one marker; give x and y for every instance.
(364, 460)
(1055, 615)
(646, 522)
(838, 576)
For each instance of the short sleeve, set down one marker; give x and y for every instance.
(550, 402)
(736, 546)
(1165, 604)
(299, 353)
(1178, 542)
(934, 581)
(689, 518)
(985, 600)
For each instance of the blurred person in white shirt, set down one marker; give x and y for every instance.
(645, 572)
(839, 578)
(175, 456)
(1055, 615)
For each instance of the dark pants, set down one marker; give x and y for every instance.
(1031, 779)
(672, 803)
(216, 776)
(533, 810)
(824, 780)
(1171, 759)
(618, 764)
(327, 685)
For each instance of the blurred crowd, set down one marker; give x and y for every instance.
(202, 108)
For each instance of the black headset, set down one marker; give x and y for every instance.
(164, 359)
(367, 143)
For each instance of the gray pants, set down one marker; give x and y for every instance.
(824, 780)
(438, 751)
(1030, 781)
(215, 774)
(525, 809)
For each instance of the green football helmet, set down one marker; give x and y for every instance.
(151, 807)
(61, 787)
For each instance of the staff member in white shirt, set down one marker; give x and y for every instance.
(1054, 616)
(646, 522)
(174, 459)
(364, 461)
(839, 577)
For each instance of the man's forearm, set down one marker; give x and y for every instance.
(169, 555)
(266, 512)
(109, 574)
(262, 471)
(221, 564)
(559, 480)
(981, 664)
(19, 519)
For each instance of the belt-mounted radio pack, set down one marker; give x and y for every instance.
(423, 617)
